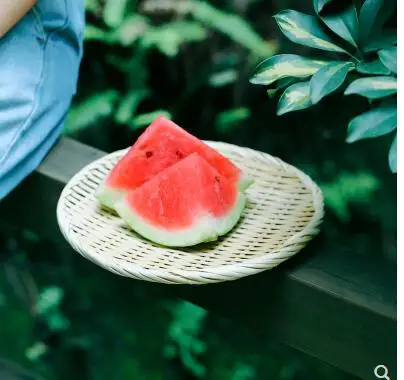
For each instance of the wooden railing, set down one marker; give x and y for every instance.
(329, 302)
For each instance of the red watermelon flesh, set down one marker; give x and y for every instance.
(160, 146)
(188, 203)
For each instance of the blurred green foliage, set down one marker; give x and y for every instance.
(64, 318)
(118, 329)
(129, 29)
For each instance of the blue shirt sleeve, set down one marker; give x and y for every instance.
(40, 59)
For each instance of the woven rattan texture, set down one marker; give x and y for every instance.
(283, 212)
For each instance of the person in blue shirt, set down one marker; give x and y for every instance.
(41, 47)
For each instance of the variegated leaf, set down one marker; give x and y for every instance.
(328, 79)
(344, 24)
(374, 67)
(283, 66)
(305, 30)
(374, 123)
(372, 16)
(295, 97)
(389, 58)
(373, 87)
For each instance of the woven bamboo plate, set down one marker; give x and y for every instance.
(284, 211)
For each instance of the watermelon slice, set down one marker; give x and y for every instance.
(160, 146)
(188, 203)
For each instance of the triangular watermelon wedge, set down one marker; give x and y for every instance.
(160, 146)
(188, 203)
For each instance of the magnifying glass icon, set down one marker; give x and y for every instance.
(381, 372)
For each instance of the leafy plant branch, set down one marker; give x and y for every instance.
(365, 47)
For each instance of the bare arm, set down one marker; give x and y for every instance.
(11, 11)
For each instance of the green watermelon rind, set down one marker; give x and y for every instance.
(205, 229)
(244, 183)
(109, 196)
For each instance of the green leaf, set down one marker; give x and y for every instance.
(393, 156)
(320, 4)
(147, 118)
(57, 321)
(223, 78)
(374, 123)
(305, 30)
(285, 65)
(347, 188)
(295, 97)
(328, 79)
(131, 29)
(128, 105)
(184, 329)
(374, 67)
(389, 58)
(49, 299)
(226, 120)
(36, 351)
(90, 110)
(386, 38)
(114, 12)
(373, 87)
(234, 26)
(372, 16)
(344, 24)
(91, 5)
(168, 38)
(92, 33)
